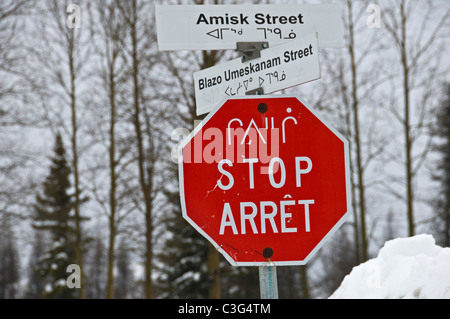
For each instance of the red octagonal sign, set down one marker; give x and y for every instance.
(265, 178)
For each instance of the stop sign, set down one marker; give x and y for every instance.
(265, 178)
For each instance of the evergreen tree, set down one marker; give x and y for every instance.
(185, 273)
(241, 282)
(36, 283)
(337, 261)
(9, 262)
(184, 258)
(53, 213)
(442, 203)
(124, 275)
(96, 268)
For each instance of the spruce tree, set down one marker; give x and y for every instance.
(36, 284)
(124, 275)
(442, 175)
(9, 261)
(54, 213)
(184, 273)
(95, 263)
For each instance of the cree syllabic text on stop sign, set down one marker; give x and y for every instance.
(265, 173)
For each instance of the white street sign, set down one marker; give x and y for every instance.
(216, 27)
(280, 67)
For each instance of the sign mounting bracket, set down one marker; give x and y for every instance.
(250, 50)
(258, 91)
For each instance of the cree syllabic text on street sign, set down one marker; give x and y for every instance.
(265, 173)
(214, 27)
(279, 67)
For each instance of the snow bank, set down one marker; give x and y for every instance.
(413, 267)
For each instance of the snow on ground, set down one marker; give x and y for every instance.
(413, 267)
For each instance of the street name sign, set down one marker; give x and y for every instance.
(280, 67)
(265, 180)
(216, 27)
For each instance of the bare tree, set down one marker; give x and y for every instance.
(15, 187)
(60, 56)
(14, 116)
(418, 49)
(354, 81)
(10, 54)
(204, 59)
(107, 28)
(354, 106)
(140, 52)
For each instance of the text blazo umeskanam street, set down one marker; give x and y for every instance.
(251, 68)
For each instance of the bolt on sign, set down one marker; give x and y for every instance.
(265, 177)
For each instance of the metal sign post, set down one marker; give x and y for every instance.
(268, 283)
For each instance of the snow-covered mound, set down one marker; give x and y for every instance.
(413, 267)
